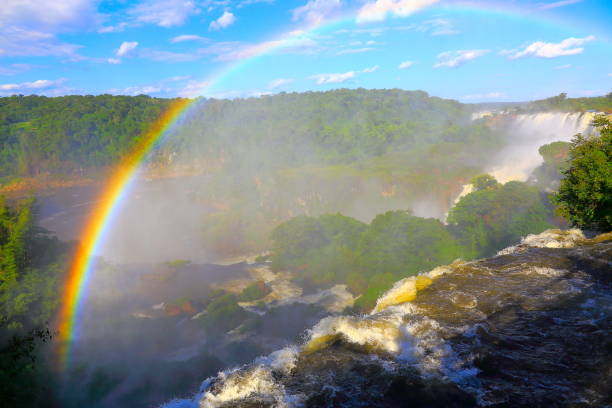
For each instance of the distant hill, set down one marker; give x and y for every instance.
(64, 134)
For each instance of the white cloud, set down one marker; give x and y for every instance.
(38, 86)
(48, 15)
(340, 77)
(168, 56)
(113, 29)
(17, 41)
(114, 61)
(355, 50)
(280, 82)
(332, 78)
(316, 11)
(556, 4)
(374, 32)
(436, 26)
(193, 88)
(507, 52)
(454, 59)
(566, 66)
(28, 27)
(186, 37)
(371, 69)
(166, 85)
(226, 20)
(406, 64)
(235, 94)
(233, 50)
(164, 13)
(379, 9)
(490, 95)
(136, 90)
(569, 46)
(125, 48)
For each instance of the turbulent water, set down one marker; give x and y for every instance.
(529, 327)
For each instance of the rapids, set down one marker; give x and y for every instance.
(528, 327)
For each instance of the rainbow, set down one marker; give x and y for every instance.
(116, 188)
(118, 183)
(99, 222)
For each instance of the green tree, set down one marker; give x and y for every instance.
(548, 175)
(483, 182)
(31, 263)
(402, 244)
(322, 247)
(585, 193)
(490, 219)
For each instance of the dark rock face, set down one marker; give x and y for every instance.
(528, 328)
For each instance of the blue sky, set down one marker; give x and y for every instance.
(471, 51)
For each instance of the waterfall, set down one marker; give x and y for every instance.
(526, 133)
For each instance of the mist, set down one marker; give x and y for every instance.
(525, 133)
(224, 209)
(191, 236)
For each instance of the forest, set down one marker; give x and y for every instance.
(68, 134)
(369, 258)
(71, 133)
(564, 104)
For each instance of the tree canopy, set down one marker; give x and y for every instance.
(333, 249)
(31, 265)
(585, 192)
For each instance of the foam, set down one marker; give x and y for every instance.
(552, 238)
(256, 382)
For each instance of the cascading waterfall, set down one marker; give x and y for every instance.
(526, 133)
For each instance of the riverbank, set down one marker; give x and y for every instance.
(46, 182)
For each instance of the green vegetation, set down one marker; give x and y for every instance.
(556, 159)
(562, 103)
(69, 133)
(333, 249)
(399, 243)
(496, 216)
(322, 248)
(313, 152)
(319, 152)
(483, 182)
(585, 193)
(31, 264)
(256, 290)
(338, 126)
(223, 312)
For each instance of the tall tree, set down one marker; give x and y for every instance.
(585, 193)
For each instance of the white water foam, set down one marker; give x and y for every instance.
(552, 238)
